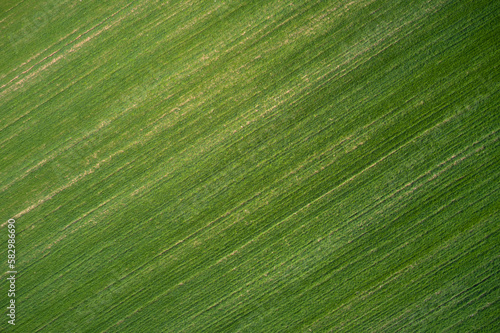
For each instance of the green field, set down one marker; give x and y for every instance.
(251, 166)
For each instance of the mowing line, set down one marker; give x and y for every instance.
(11, 88)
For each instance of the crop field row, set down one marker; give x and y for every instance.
(260, 166)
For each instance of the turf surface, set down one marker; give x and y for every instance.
(251, 166)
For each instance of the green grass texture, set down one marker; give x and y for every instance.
(251, 166)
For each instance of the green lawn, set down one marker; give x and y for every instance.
(251, 166)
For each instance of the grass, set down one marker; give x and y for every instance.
(251, 167)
